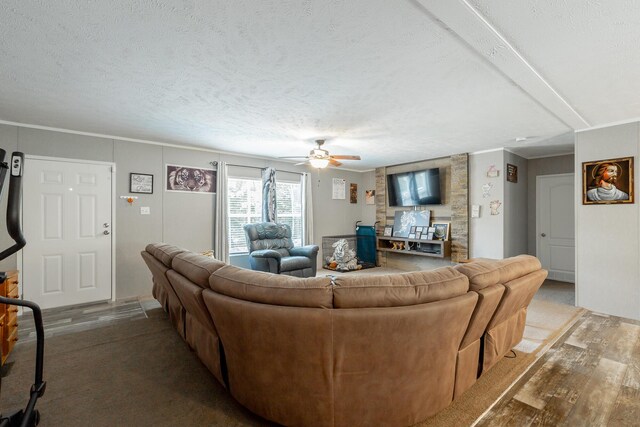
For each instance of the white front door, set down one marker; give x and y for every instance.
(67, 225)
(555, 226)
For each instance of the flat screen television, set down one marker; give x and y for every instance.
(417, 188)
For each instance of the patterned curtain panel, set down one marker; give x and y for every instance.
(221, 241)
(307, 220)
(269, 195)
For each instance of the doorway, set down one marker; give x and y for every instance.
(68, 225)
(555, 234)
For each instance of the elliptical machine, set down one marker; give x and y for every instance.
(29, 416)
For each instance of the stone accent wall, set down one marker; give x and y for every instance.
(381, 209)
(455, 181)
(459, 207)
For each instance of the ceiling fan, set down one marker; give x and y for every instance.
(320, 158)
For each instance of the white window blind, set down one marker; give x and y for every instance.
(289, 208)
(245, 207)
(244, 204)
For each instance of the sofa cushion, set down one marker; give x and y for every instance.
(196, 267)
(484, 272)
(481, 273)
(164, 252)
(274, 289)
(294, 263)
(519, 266)
(399, 289)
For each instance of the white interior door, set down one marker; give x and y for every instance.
(555, 225)
(67, 225)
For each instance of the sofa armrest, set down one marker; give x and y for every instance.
(310, 251)
(266, 253)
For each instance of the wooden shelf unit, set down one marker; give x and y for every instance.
(9, 315)
(436, 248)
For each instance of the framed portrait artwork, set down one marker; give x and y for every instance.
(370, 197)
(608, 182)
(140, 183)
(388, 231)
(441, 230)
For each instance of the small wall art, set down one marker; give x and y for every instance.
(512, 173)
(188, 179)
(353, 193)
(486, 190)
(140, 183)
(493, 172)
(338, 189)
(388, 231)
(495, 206)
(370, 197)
(607, 182)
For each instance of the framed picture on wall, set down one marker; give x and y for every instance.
(607, 182)
(512, 173)
(140, 183)
(189, 179)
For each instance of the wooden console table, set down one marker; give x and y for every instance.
(429, 248)
(9, 315)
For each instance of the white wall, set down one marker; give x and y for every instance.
(608, 236)
(515, 207)
(486, 233)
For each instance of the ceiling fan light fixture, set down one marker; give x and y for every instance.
(319, 163)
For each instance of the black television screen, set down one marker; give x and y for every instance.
(416, 188)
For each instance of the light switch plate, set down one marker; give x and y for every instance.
(145, 210)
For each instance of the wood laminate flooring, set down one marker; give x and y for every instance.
(589, 377)
(67, 320)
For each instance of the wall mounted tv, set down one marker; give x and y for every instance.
(417, 188)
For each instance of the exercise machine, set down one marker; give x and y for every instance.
(29, 416)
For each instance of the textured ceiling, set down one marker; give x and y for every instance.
(587, 49)
(381, 79)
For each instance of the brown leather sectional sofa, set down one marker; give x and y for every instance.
(381, 350)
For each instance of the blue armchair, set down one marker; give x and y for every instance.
(271, 250)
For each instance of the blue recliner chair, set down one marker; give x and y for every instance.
(271, 249)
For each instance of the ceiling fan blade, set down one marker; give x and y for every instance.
(300, 164)
(293, 157)
(345, 157)
(334, 162)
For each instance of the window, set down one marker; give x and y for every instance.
(245, 206)
(245, 201)
(289, 208)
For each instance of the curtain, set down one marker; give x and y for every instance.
(221, 237)
(307, 218)
(269, 194)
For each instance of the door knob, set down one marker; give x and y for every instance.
(106, 232)
(543, 234)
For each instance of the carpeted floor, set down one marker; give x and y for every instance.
(139, 372)
(135, 373)
(558, 292)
